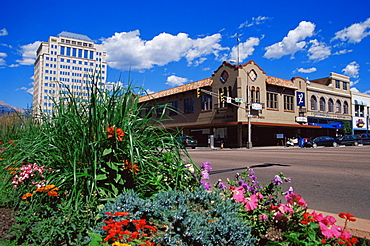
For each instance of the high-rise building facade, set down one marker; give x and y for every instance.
(67, 64)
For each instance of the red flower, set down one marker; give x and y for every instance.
(121, 213)
(113, 131)
(347, 216)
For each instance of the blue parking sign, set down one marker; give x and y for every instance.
(301, 98)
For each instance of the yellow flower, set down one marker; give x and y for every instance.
(120, 244)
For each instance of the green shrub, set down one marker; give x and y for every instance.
(187, 217)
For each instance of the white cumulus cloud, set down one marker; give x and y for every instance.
(292, 43)
(245, 49)
(3, 32)
(318, 50)
(352, 69)
(126, 50)
(306, 70)
(355, 33)
(28, 52)
(174, 80)
(2, 56)
(255, 21)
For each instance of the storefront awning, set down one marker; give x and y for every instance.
(358, 102)
(335, 125)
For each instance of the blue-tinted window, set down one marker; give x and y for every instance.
(62, 50)
(91, 55)
(68, 51)
(86, 53)
(74, 52)
(80, 53)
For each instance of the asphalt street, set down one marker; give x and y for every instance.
(329, 179)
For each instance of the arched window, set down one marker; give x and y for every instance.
(313, 103)
(338, 107)
(331, 106)
(322, 104)
(253, 94)
(345, 107)
(258, 97)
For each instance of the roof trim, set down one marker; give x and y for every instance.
(74, 35)
(178, 89)
(280, 82)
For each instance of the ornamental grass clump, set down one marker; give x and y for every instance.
(197, 217)
(97, 147)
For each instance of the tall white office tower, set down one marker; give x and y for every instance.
(68, 63)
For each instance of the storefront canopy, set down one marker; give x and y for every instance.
(335, 125)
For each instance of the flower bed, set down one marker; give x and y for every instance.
(103, 174)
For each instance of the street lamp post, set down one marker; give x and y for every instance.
(249, 142)
(249, 116)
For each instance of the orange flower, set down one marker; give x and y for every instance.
(13, 172)
(132, 168)
(50, 189)
(25, 196)
(118, 132)
(53, 193)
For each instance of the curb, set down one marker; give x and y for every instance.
(359, 228)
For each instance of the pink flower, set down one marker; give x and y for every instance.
(328, 227)
(263, 217)
(295, 198)
(287, 208)
(238, 193)
(251, 202)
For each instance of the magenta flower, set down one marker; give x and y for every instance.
(263, 217)
(328, 227)
(238, 193)
(251, 202)
(287, 208)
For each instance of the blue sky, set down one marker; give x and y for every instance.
(162, 44)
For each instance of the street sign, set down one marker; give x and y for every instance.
(239, 100)
(228, 99)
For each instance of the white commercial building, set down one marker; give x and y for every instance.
(67, 64)
(361, 108)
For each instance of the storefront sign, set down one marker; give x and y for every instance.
(256, 106)
(301, 119)
(301, 99)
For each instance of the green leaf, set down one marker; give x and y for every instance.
(107, 151)
(101, 177)
(113, 165)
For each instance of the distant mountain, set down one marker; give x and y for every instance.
(7, 109)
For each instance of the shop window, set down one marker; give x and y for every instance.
(272, 100)
(322, 104)
(189, 105)
(338, 107)
(206, 102)
(345, 107)
(313, 103)
(330, 106)
(288, 103)
(337, 84)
